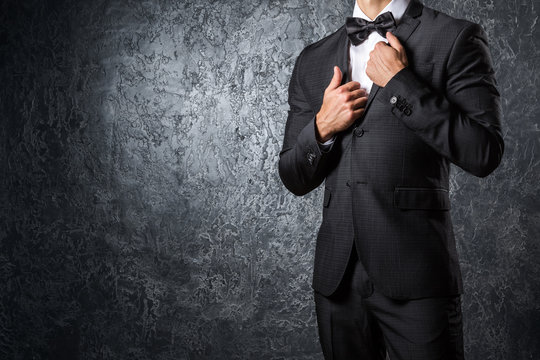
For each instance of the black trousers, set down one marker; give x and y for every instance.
(358, 322)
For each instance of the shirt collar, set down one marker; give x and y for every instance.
(396, 7)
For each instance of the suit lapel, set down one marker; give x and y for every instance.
(342, 59)
(405, 28)
(409, 22)
(403, 31)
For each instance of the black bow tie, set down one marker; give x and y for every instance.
(359, 29)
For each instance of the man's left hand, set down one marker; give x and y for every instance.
(386, 60)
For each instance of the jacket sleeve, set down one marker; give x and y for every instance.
(464, 123)
(302, 164)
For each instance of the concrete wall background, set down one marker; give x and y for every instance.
(141, 213)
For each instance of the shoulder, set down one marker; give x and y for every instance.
(328, 41)
(324, 47)
(452, 27)
(456, 44)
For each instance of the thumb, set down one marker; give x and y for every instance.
(336, 79)
(393, 41)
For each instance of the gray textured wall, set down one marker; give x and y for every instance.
(141, 214)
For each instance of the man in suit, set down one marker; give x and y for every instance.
(378, 110)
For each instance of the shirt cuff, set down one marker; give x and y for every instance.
(327, 145)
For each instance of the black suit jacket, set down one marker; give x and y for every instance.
(386, 177)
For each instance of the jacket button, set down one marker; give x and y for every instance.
(407, 111)
(358, 132)
(393, 100)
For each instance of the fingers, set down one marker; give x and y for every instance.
(359, 102)
(377, 52)
(336, 79)
(353, 96)
(358, 112)
(359, 93)
(351, 86)
(358, 98)
(336, 82)
(394, 41)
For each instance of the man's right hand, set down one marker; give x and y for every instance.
(341, 106)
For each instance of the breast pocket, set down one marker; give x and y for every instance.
(424, 71)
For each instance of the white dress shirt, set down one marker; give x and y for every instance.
(359, 54)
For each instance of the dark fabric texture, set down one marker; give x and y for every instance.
(358, 322)
(386, 177)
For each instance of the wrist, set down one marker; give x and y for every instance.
(398, 68)
(392, 74)
(322, 132)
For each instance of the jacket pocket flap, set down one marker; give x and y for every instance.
(421, 198)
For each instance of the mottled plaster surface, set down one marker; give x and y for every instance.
(141, 213)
